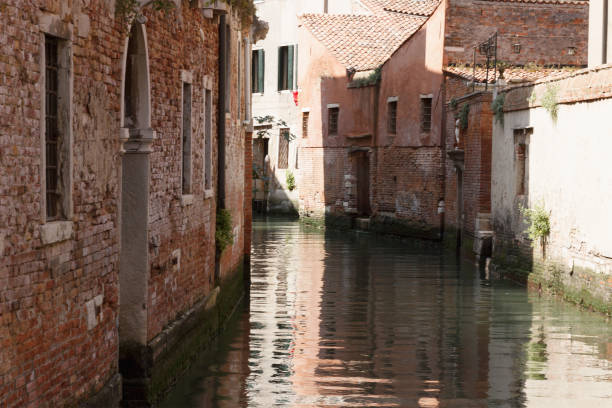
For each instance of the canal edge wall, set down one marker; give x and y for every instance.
(154, 368)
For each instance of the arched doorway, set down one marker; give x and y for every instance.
(136, 138)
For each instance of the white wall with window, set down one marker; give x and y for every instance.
(274, 81)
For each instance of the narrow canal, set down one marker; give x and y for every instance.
(355, 320)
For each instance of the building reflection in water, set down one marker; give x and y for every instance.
(348, 320)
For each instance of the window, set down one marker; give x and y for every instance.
(333, 112)
(305, 116)
(426, 113)
(283, 149)
(239, 93)
(392, 116)
(186, 142)
(521, 151)
(56, 114)
(207, 139)
(228, 68)
(258, 71)
(285, 67)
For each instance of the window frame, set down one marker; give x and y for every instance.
(333, 117)
(392, 115)
(286, 68)
(61, 35)
(305, 122)
(258, 71)
(282, 140)
(207, 156)
(426, 113)
(186, 133)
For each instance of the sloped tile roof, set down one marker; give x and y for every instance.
(414, 7)
(578, 2)
(512, 74)
(364, 42)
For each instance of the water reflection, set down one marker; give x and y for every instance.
(349, 320)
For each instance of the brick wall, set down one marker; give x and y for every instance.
(408, 185)
(475, 141)
(48, 354)
(59, 302)
(545, 31)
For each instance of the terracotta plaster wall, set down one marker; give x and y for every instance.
(545, 31)
(51, 353)
(414, 70)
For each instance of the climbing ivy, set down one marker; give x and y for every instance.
(497, 106)
(224, 235)
(127, 10)
(550, 101)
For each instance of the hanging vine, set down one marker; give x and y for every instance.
(127, 10)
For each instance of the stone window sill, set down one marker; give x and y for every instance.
(56, 231)
(186, 200)
(208, 194)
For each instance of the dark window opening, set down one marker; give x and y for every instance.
(425, 114)
(285, 67)
(333, 120)
(521, 152)
(208, 139)
(52, 131)
(258, 71)
(186, 177)
(305, 116)
(392, 117)
(283, 149)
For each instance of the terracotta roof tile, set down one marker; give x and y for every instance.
(578, 2)
(514, 74)
(364, 42)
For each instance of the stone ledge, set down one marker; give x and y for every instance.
(108, 397)
(56, 231)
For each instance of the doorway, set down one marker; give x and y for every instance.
(362, 164)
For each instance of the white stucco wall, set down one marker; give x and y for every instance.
(282, 18)
(570, 174)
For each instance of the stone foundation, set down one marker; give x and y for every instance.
(149, 371)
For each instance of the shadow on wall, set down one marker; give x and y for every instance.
(271, 194)
(389, 176)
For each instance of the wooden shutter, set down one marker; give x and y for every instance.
(261, 69)
(280, 68)
(290, 50)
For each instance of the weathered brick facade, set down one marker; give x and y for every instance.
(59, 281)
(546, 32)
(469, 159)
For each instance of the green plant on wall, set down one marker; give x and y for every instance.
(463, 116)
(224, 235)
(538, 220)
(550, 101)
(127, 10)
(453, 104)
(290, 179)
(266, 123)
(497, 106)
(372, 79)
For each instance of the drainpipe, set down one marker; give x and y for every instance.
(443, 149)
(223, 57)
(221, 112)
(604, 35)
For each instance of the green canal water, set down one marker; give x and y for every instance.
(339, 319)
